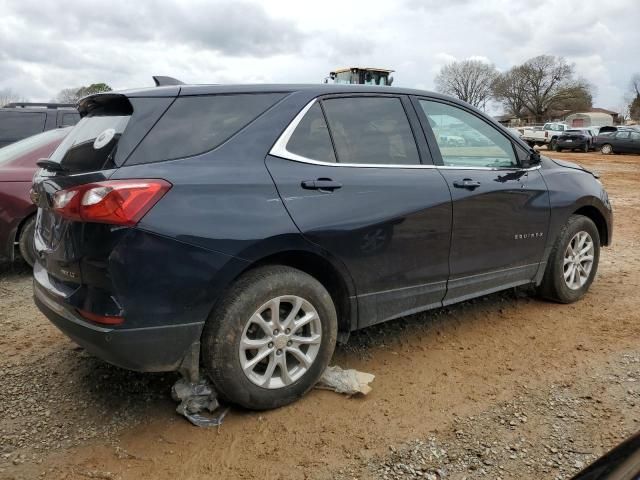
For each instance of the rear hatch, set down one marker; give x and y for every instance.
(571, 136)
(72, 249)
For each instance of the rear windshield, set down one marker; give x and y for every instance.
(197, 124)
(92, 143)
(17, 149)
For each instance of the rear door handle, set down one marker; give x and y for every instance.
(322, 184)
(466, 183)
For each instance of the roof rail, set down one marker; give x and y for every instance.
(162, 81)
(38, 104)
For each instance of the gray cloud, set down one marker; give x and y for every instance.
(229, 27)
(47, 46)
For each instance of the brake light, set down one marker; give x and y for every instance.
(117, 202)
(546, 134)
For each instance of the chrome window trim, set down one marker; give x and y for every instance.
(279, 149)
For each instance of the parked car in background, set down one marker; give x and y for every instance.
(620, 140)
(547, 135)
(21, 120)
(17, 211)
(241, 229)
(576, 139)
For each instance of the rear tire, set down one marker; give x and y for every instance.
(558, 284)
(552, 144)
(585, 149)
(26, 242)
(256, 318)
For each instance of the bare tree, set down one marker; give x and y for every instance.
(546, 79)
(540, 86)
(468, 80)
(509, 88)
(9, 96)
(634, 104)
(72, 95)
(67, 95)
(576, 96)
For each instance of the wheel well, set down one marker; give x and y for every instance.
(596, 217)
(22, 224)
(322, 270)
(11, 248)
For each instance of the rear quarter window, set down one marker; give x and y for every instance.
(196, 124)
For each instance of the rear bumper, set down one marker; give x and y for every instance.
(574, 144)
(150, 349)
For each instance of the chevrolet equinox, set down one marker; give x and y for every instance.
(242, 229)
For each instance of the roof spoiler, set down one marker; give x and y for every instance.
(162, 81)
(113, 103)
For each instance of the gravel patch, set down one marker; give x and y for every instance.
(550, 434)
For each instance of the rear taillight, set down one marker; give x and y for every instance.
(117, 202)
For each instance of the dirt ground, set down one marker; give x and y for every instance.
(506, 386)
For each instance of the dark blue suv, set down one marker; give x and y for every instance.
(242, 229)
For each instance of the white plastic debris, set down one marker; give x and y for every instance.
(195, 398)
(349, 382)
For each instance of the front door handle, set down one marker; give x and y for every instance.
(322, 184)
(466, 183)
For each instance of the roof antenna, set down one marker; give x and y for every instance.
(162, 81)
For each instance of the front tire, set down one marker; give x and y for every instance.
(26, 243)
(573, 262)
(606, 149)
(270, 338)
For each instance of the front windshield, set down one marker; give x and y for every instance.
(17, 149)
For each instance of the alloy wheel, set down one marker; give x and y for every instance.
(578, 260)
(280, 342)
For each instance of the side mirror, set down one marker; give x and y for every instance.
(532, 159)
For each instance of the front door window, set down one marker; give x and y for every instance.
(465, 140)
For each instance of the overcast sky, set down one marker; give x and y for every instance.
(49, 45)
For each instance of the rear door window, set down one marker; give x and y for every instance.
(15, 125)
(371, 130)
(311, 138)
(196, 124)
(622, 135)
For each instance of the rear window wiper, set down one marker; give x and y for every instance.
(50, 165)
